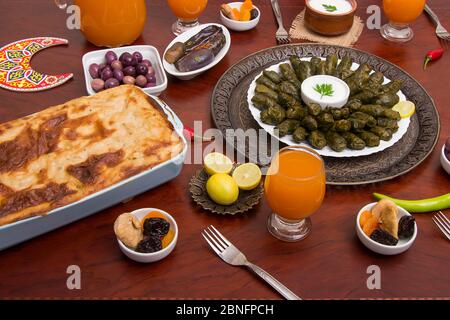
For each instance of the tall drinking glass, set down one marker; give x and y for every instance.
(187, 12)
(400, 13)
(294, 188)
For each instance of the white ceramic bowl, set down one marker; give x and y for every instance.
(170, 68)
(148, 52)
(239, 25)
(154, 256)
(338, 100)
(444, 161)
(402, 245)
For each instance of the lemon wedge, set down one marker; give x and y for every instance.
(405, 108)
(247, 176)
(216, 162)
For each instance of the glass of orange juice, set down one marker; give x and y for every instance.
(187, 12)
(110, 23)
(400, 13)
(294, 188)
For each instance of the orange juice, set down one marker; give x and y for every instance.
(187, 10)
(295, 183)
(403, 11)
(112, 23)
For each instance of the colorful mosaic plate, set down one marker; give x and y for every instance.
(16, 73)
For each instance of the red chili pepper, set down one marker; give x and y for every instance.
(433, 55)
(190, 135)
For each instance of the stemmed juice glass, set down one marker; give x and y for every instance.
(401, 13)
(187, 12)
(294, 188)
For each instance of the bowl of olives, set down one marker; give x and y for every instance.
(445, 156)
(138, 65)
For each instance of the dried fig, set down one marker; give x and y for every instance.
(387, 211)
(128, 229)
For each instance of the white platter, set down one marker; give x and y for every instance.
(327, 151)
(170, 68)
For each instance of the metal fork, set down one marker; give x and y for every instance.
(281, 35)
(231, 255)
(443, 223)
(441, 32)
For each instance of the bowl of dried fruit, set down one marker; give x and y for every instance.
(146, 235)
(239, 16)
(386, 228)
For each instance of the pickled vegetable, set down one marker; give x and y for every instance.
(299, 134)
(371, 139)
(273, 76)
(195, 60)
(286, 127)
(310, 123)
(273, 115)
(353, 141)
(314, 109)
(335, 141)
(267, 82)
(260, 88)
(317, 140)
(174, 53)
(201, 37)
(331, 64)
(296, 112)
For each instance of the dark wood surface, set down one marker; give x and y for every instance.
(330, 263)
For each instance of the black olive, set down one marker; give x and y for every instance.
(253, 14)
(149, 244)
(406, 227)
(383, 237)
(156, 227)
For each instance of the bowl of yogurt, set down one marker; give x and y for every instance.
(330, 17)
(327, 91)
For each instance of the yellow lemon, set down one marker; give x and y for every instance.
(247, 176)
(222, 189)
(405, 108)
(216, 162)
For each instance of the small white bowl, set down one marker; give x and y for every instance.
(239, 25)
(148, 52)
(170, 68)
(402, 245)
(445, 163)
(338, 100)
(154, 256)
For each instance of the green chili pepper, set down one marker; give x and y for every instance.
(424, 205)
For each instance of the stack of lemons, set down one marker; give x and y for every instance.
(222, 187)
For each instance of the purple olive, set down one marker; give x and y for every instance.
(111, 83)
(150, 85)
(93, 70)
(147, 62)
(447, 144)
(138, 56)
(128, 80)
(129, 71)
(150, 78)
(126, 59)
(98, 85)
(101, 66)
(116, 65)
(141, 81)
(118, 74)
(151, 71)
(110, 56)
(141, 69)
(106, 74)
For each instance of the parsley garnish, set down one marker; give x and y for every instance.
(329, 8)
(324, 89)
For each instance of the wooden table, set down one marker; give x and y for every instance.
(330, 263)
